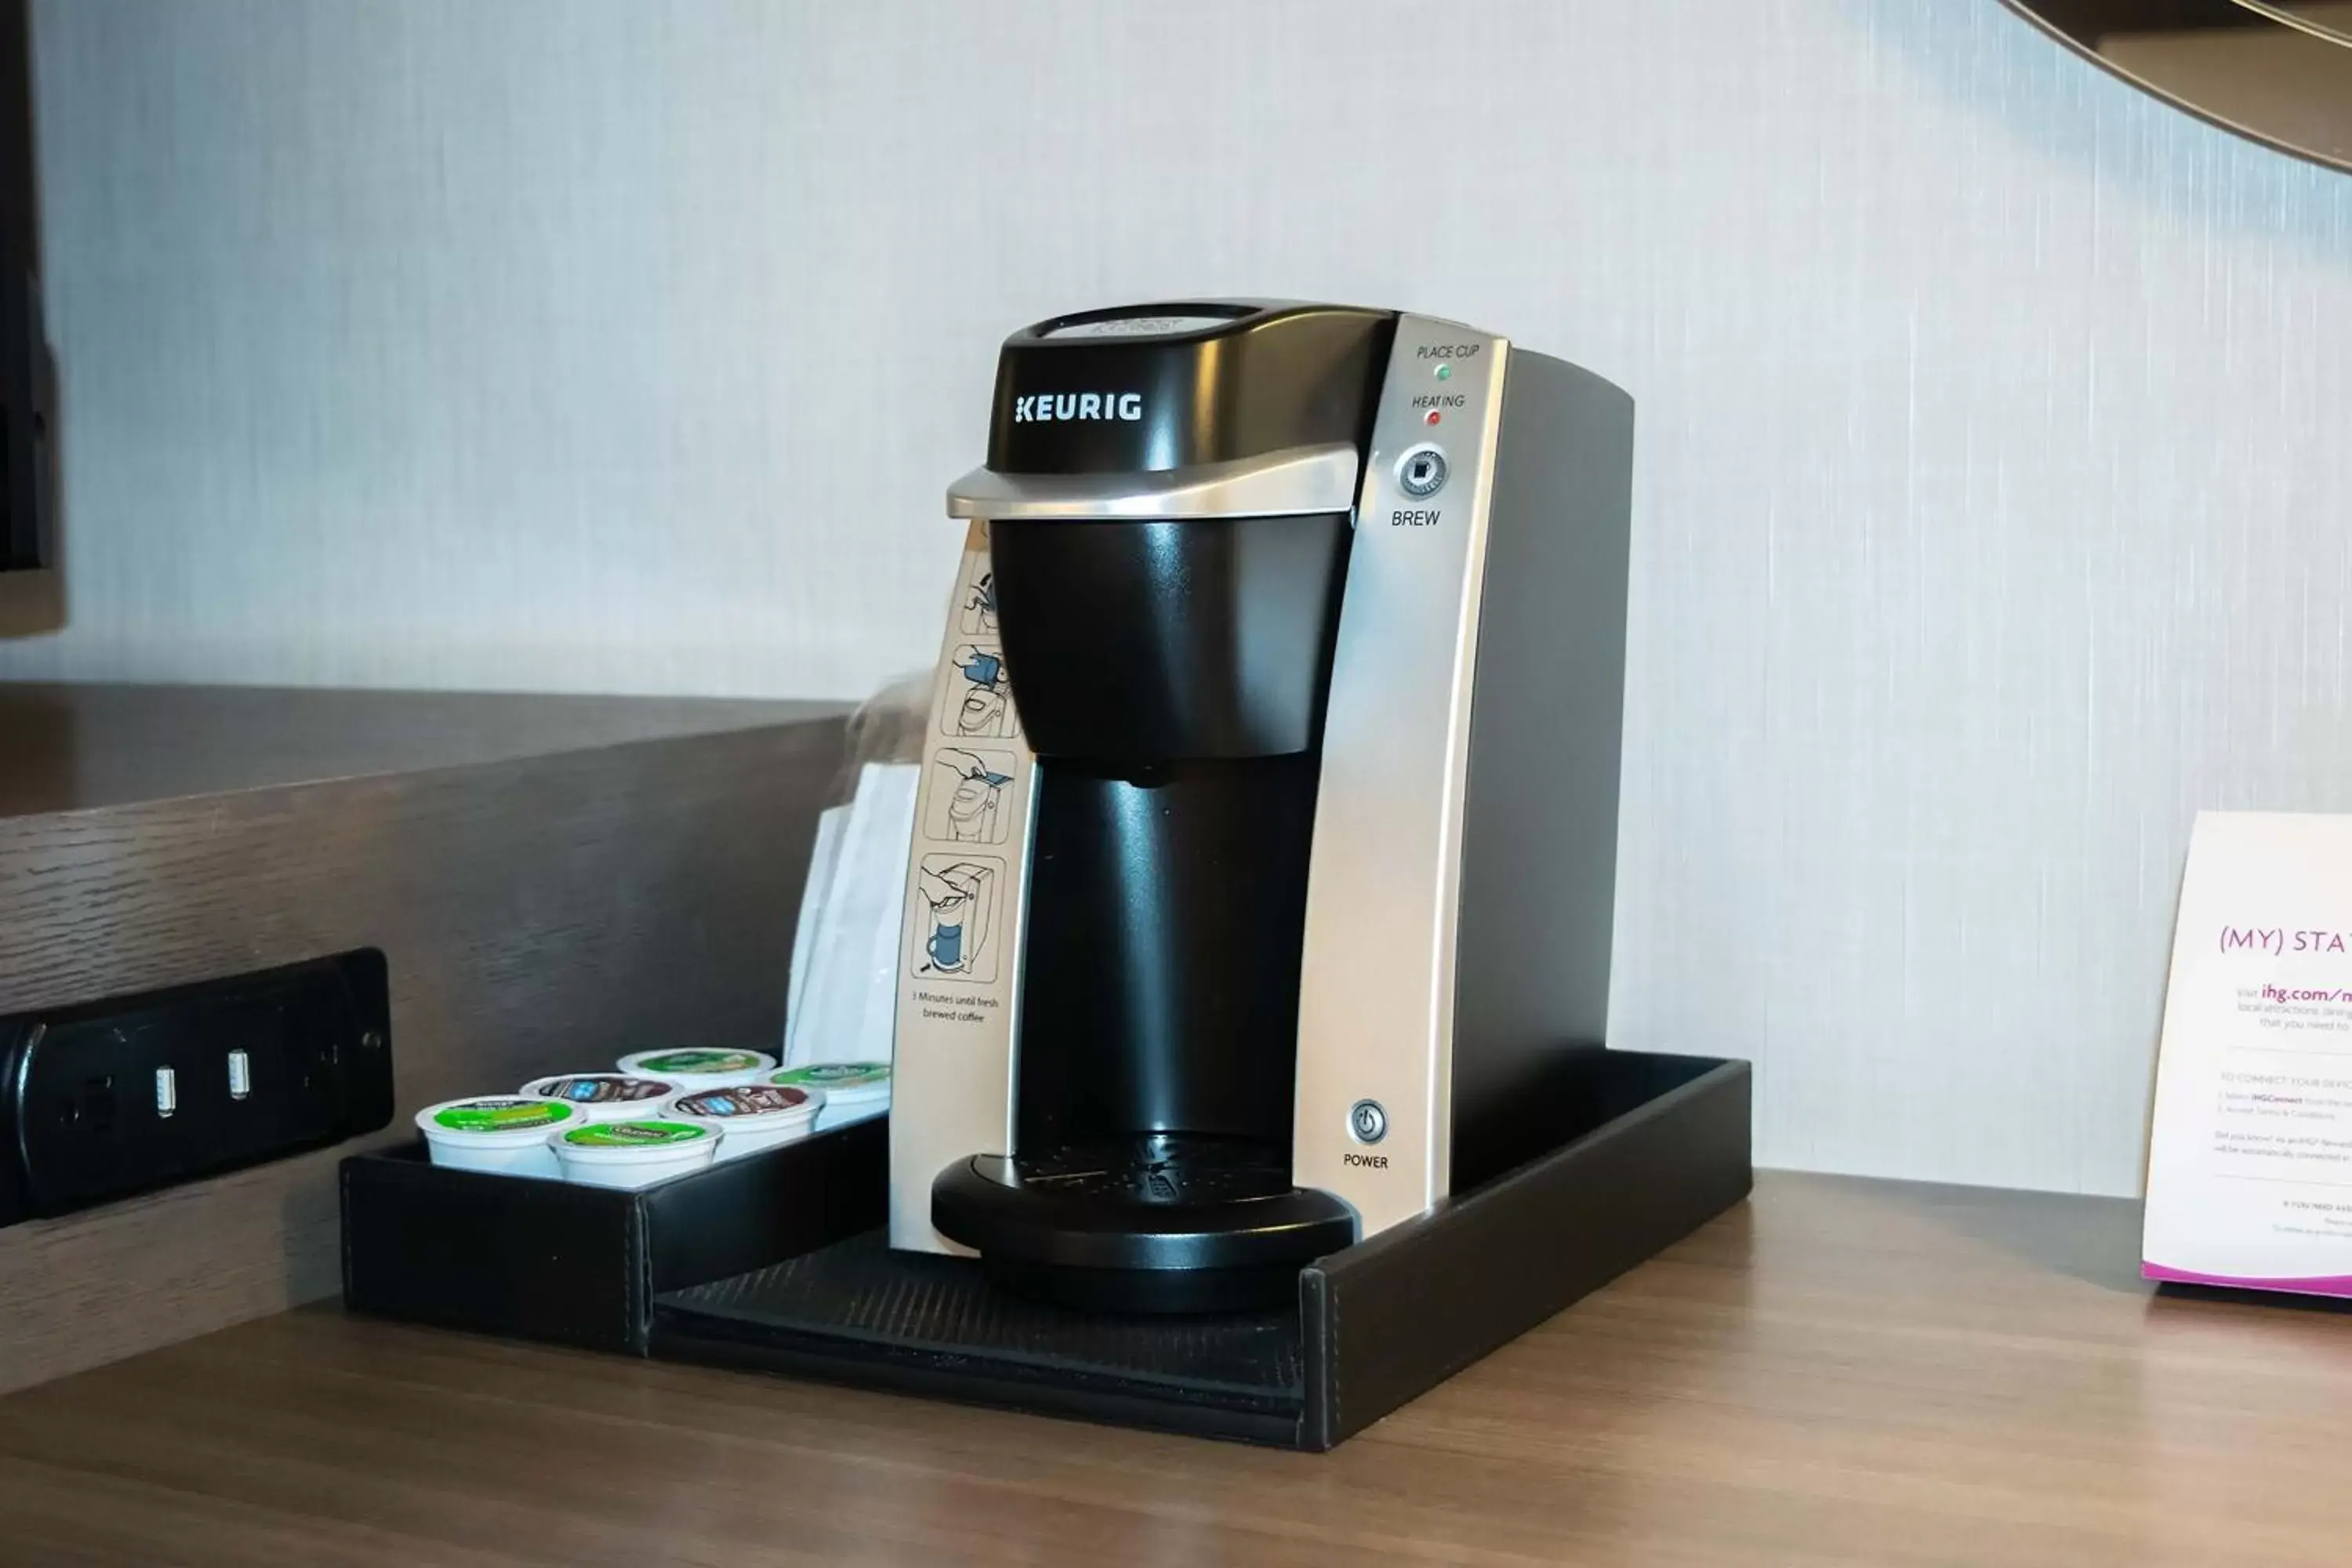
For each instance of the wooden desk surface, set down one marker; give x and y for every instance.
(1840, 1372)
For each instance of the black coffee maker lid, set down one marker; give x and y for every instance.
(1148, 389)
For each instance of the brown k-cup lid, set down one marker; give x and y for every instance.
(744, 1099)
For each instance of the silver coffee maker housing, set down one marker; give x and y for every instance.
(1459, 855)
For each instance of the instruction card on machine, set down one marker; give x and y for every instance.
(2250, 1156)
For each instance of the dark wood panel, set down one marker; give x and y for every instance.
(32, 604)
(1840, 1372)
(76, 748)
(538, 914)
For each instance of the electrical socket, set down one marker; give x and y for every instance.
(108, 1098)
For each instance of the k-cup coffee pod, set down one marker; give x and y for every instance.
(604, 1096)
(853, 1090)
(755, 1116)
(633, 1153)
(496, 1132)
(700, 1067)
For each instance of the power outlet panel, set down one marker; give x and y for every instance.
(108, 1098)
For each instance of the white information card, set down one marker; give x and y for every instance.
(2249, 1155)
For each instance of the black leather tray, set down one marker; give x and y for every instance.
(581, 1266)
(1649, 1148)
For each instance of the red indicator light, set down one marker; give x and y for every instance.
(1430, 418)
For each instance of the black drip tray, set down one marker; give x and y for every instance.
(859, 1311)
(1636, 1152)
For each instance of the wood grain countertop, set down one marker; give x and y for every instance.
(1839, 1371)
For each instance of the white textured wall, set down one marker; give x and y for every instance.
(1995, 499)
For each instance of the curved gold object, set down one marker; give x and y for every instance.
(2327, 19)
(2275, 71)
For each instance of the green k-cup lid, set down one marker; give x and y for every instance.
(634, 1134)
(834, 1074)
(699, 1061)
(501, 1115)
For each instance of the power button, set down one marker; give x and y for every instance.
(1367, 1121)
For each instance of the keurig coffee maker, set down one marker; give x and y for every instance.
(1264, 852)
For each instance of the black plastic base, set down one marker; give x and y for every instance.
(1157, 1292)
(553, 1260)
(858, 1312)
(1162, 1222)
(1648, 1148)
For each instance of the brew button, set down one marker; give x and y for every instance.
(1420, 472)
(1367, 1121)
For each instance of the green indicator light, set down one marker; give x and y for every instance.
(1445, 373)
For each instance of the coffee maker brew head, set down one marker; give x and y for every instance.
(1168, 499)
(1257, 945)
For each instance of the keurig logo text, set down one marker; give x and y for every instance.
(1046, 408)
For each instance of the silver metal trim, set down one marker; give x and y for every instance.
(1383, 891)
(1300, 482)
